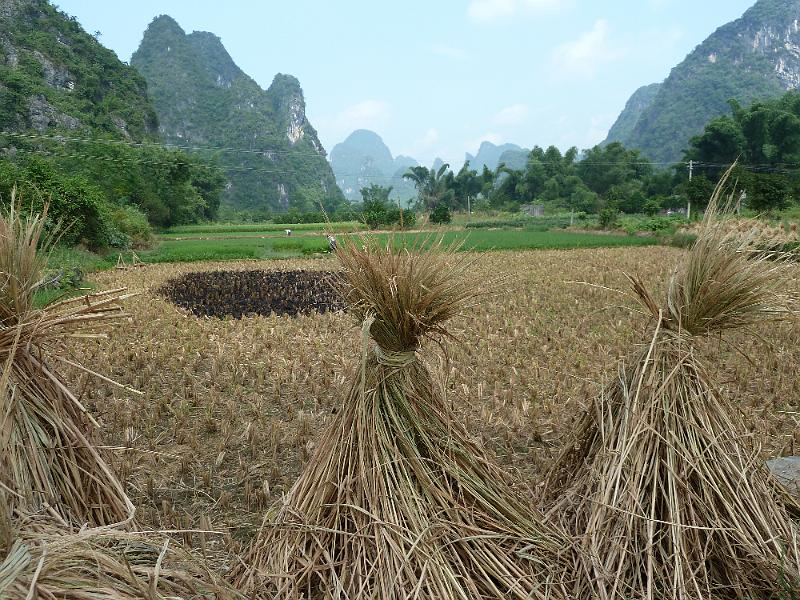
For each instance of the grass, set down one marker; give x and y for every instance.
(514, 239)
(251, 228)
(44, 297)
(561, 221)
(70, 259)
(242, 248)
(233, 248)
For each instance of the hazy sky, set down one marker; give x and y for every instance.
(434, 78)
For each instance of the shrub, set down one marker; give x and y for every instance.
(404, 218)
(652, 206)
(440, 214)
(131, 222)
(609, 216)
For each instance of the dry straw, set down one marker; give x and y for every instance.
(47, 560)
(397, 500)
(47, 459)
(662, 484)
(51, 477)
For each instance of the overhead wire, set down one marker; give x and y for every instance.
(268, 153)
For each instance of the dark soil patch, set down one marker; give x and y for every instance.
(243, 293)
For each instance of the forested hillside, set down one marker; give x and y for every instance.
(754, 57)
(79, 132)
(271, 154)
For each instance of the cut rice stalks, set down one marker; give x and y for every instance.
(47, 460)
(51, 477)
(397, 500)
(47, 560)
(662, 484)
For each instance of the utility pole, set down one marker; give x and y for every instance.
(688, 197)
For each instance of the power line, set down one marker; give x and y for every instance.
(783, 167)
(226, 168)
(262, 151)
(168, 146)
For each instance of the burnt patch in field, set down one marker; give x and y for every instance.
(244, 293)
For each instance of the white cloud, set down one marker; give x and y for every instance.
(424, 148)
(598, 129)
(484, 11)
(511, 115)
(365, 112)
(424, 145)
(584, 55)
(449, 52)
(475, 143)
(431, 137)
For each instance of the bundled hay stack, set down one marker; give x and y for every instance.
(48, 560)
(397, 501)
(51, 477)
(662, 484)
(47, 459)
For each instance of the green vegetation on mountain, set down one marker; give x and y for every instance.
(754, 57)
(78, 131)
(268, 149)
(513, 159)
(641, 100)
(56, 76)
(765, 138)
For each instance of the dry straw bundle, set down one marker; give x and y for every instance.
(48, 560)
(51, 477)
(47, 458)
(662, 484)
(397, 501)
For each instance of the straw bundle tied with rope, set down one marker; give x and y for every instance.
(51, 477)
(47, 458)
(397, 501)
(661, 484)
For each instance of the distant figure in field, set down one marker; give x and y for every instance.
(332, 243)
(288, 232)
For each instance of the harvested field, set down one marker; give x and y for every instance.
(232, 408)
(248, 293)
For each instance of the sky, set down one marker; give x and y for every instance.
(435, 78)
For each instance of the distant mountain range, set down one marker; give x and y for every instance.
(363, 158)
(491, 155)
(755, 56)
(270, 152)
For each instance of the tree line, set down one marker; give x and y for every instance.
(109, 195)
(764, 138)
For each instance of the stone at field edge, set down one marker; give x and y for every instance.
(787, 470)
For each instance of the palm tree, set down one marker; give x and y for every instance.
(433, 186)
